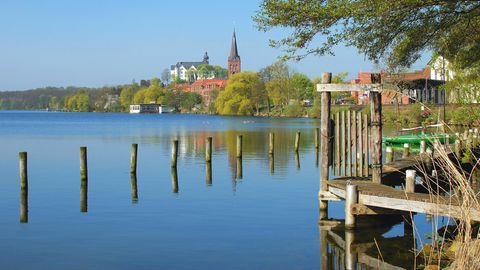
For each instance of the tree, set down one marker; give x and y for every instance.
(126, 95)
(243, 94)
(166, 76)
(302, 86)
(79, 102)
(189, 100)
(398, 31)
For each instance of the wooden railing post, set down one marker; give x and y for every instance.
(376, 136)
(324, 138)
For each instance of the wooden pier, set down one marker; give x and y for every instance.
(368, 186)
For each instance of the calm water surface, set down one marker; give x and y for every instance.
(268, 219)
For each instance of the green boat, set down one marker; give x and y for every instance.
(417, 138)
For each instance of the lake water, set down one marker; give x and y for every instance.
(268, 219)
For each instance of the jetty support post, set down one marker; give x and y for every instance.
(271, 143)
(410, 181)
(351, 198)
(297, 141)
(406, 150)
(376, 136)
(239, 146)
(317, 139)
(133, 187)
(208, 150)
(390, 154)
(324, 140)
(83, 180)
(23, 187)
(133, 158)
(423, 146)
(174, 153)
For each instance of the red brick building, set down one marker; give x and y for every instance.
(205, 88)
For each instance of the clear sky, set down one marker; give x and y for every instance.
(108, 42)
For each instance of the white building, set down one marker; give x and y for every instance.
(146, 108)
(441, 69)
(180, 70)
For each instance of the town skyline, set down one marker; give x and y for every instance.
(93, 44)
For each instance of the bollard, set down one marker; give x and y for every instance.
(23, 187)
(447, 141)
(83, 180)
(390, 153)
(423, 147)
(410, 181)
(239, 146)
(271, 143)
(351, 198)
(297, 160)
(297, 141)
(317, 138)
(174, 153)
(134, 188)
(271, 161)
(133, 158)
(208, 150)
(406, 150)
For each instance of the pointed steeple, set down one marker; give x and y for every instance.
(233, 50)
(206, 58)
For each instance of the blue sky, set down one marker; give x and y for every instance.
(107, 42)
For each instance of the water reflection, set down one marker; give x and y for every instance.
(297, 160)
(239, 171)
(271, 162)
(134, 188)
(208, 173)
(174, 180)
(83, 195)
(24, 205)
(365, 248)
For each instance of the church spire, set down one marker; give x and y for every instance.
(234, 64)
(234, 50)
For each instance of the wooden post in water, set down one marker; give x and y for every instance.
(390, 154)
(239, 146)
(376, 137)
(174, 153)
(344, 145)
(134, 188)
(317, 139)
(360, 144)
(324, 140)
(83, 180)
(297, 141)
(351, 198)
(174, 180)
(423, 147)
(349, 143)
(271, 161)
(133, 158)
(406, 150)
(410, 181)
(271, 143)
(354, 143)
(337, 143)
(447, 141)
(208, 150)
(23, 187)
(366, 145)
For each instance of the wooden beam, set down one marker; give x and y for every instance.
(375, 87)
(365, 210)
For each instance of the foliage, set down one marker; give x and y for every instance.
(78, 102)
(244, 93)
(302, 86)
(166, 76)
(397, 31)
(152, 94)
(294, 110)
(126, 95)
(189, 100)
(465, 87)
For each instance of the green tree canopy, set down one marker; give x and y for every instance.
(244, 93)
(302, 86)
(126, 95)
(397, 31)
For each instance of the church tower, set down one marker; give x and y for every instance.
(234, 64)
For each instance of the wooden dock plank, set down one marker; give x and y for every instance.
(378, 195)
